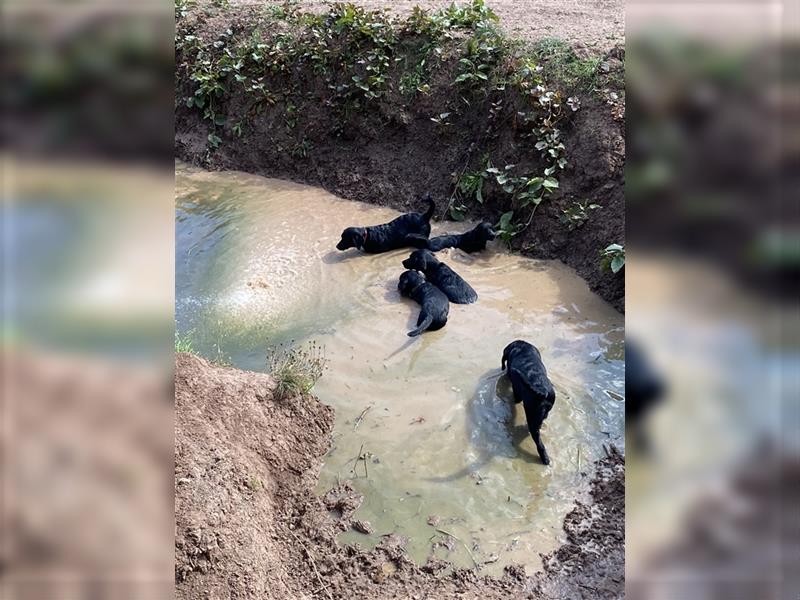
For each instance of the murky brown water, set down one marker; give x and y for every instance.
(256, 266)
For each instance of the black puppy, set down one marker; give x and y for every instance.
(389, 236)
(439, 274)
(435, 306)
(644, 389)
(531, 387)
(473, 240)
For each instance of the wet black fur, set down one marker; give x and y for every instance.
(390, 236)
(435, 306)
(473, 240)
(644, 389)
(531, 387)
(439, 274)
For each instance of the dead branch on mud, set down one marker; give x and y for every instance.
(361, 417)
(313, 564)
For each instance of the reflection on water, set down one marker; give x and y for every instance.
(256, 266)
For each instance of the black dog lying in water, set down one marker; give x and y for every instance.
(439, 274)
(473, 240)
(435, 306)
(531, 387)
(392, 235)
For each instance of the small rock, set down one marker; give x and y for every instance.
(362, 527)
(434, 520)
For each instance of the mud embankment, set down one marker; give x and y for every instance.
(248, 524)
(380, 110)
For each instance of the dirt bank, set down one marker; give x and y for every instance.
(381, 109)
(248, 524)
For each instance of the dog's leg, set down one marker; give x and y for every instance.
(534, 419)
(416, 240)
(423, 323)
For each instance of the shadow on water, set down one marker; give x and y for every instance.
(490, 426)
(337, 256)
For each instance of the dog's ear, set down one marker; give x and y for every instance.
(423, 259)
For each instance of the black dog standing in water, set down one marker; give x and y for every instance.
(531, 387)
(435, 306)
(392, 235)
(439, 274)
(644, 389)
(473, 240)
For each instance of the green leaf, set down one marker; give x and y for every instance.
(541, 145)
(535, 184)
(549, 170)
(458, 212)
(617, 263)
(550, 183)
(613, 248)
(479, 194)
(505, 220)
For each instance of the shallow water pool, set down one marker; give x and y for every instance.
(447, 451)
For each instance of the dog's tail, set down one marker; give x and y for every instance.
(422, 326)
(431, 206)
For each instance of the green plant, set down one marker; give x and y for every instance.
(506, 228)
(183, 343)
(575, 215)
(612, 258)
(254, 484)
(482, 54)
(469, 186)
(560, 62)
(296, 370)
(302, 149)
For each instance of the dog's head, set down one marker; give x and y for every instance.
(419, 260)
(409, 281)
(485, 231)
(513, 348)
(352, 237)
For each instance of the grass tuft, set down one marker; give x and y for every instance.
(183, 343)
(296, 370)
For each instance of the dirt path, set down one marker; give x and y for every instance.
(594, 24)
(248, 524)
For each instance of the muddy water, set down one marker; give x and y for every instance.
(256, 267)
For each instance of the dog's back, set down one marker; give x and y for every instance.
(525, 364)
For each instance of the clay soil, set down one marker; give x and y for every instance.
(248, 524)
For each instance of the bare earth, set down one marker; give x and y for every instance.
(594, 24)
(248, 524)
